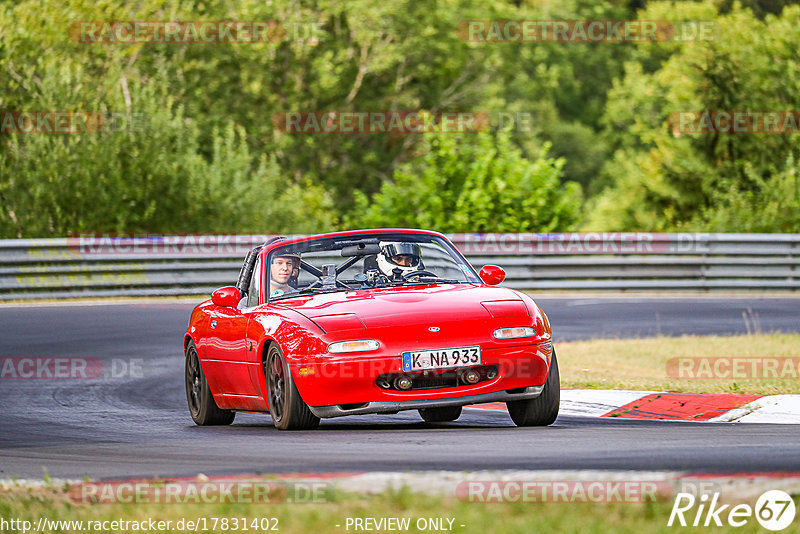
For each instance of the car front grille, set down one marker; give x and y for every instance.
(435, 379)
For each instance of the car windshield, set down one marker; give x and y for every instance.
(364, 261)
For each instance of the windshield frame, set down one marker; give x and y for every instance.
(327, 241)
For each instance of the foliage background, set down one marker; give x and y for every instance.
(600, 154)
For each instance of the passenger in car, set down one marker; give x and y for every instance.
(283, 269)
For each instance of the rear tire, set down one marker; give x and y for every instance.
(202, 407)
(542, 410)
(440, 414)
(287, 408)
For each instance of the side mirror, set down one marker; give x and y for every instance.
(492, 274)
(226, 296)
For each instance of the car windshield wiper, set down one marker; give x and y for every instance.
(308, 291)
(427, 280)
(421, 281)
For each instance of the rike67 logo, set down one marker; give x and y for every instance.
(774, 510)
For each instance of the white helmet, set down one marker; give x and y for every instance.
(399, 255)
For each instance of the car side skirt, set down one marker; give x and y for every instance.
(326, 412)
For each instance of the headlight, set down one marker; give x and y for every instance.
(515, 332)
(353, 346)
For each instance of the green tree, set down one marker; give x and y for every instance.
(473, 185)
(666, 179)
(166, 171)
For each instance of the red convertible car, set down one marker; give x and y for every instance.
(367, 322)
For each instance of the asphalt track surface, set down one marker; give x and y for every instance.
(137, 424)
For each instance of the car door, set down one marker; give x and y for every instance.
(226, 348)
(252, 357)
(226, 352)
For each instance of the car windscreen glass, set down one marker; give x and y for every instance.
(364, 261)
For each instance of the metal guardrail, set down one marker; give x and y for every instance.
(195, 265)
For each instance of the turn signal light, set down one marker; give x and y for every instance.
(360, 345)
(515, 332)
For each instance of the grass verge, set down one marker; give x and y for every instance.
(331, 517)
(685, 364)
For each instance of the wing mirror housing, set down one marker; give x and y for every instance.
(492, 274)
(226, 296)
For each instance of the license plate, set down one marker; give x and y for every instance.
(441, 358)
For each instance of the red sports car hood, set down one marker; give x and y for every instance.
(460, 305)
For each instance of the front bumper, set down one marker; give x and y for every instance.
(350, 380)
(326, 412)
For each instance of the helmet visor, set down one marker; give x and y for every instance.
(403, 254)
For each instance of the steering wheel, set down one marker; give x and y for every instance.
(421, 272)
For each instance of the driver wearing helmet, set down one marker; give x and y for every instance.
(398, 259)
(284, 268)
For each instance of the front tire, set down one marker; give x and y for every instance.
(542, 410)
(440, 414)
(287, 408)
(202, 407)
